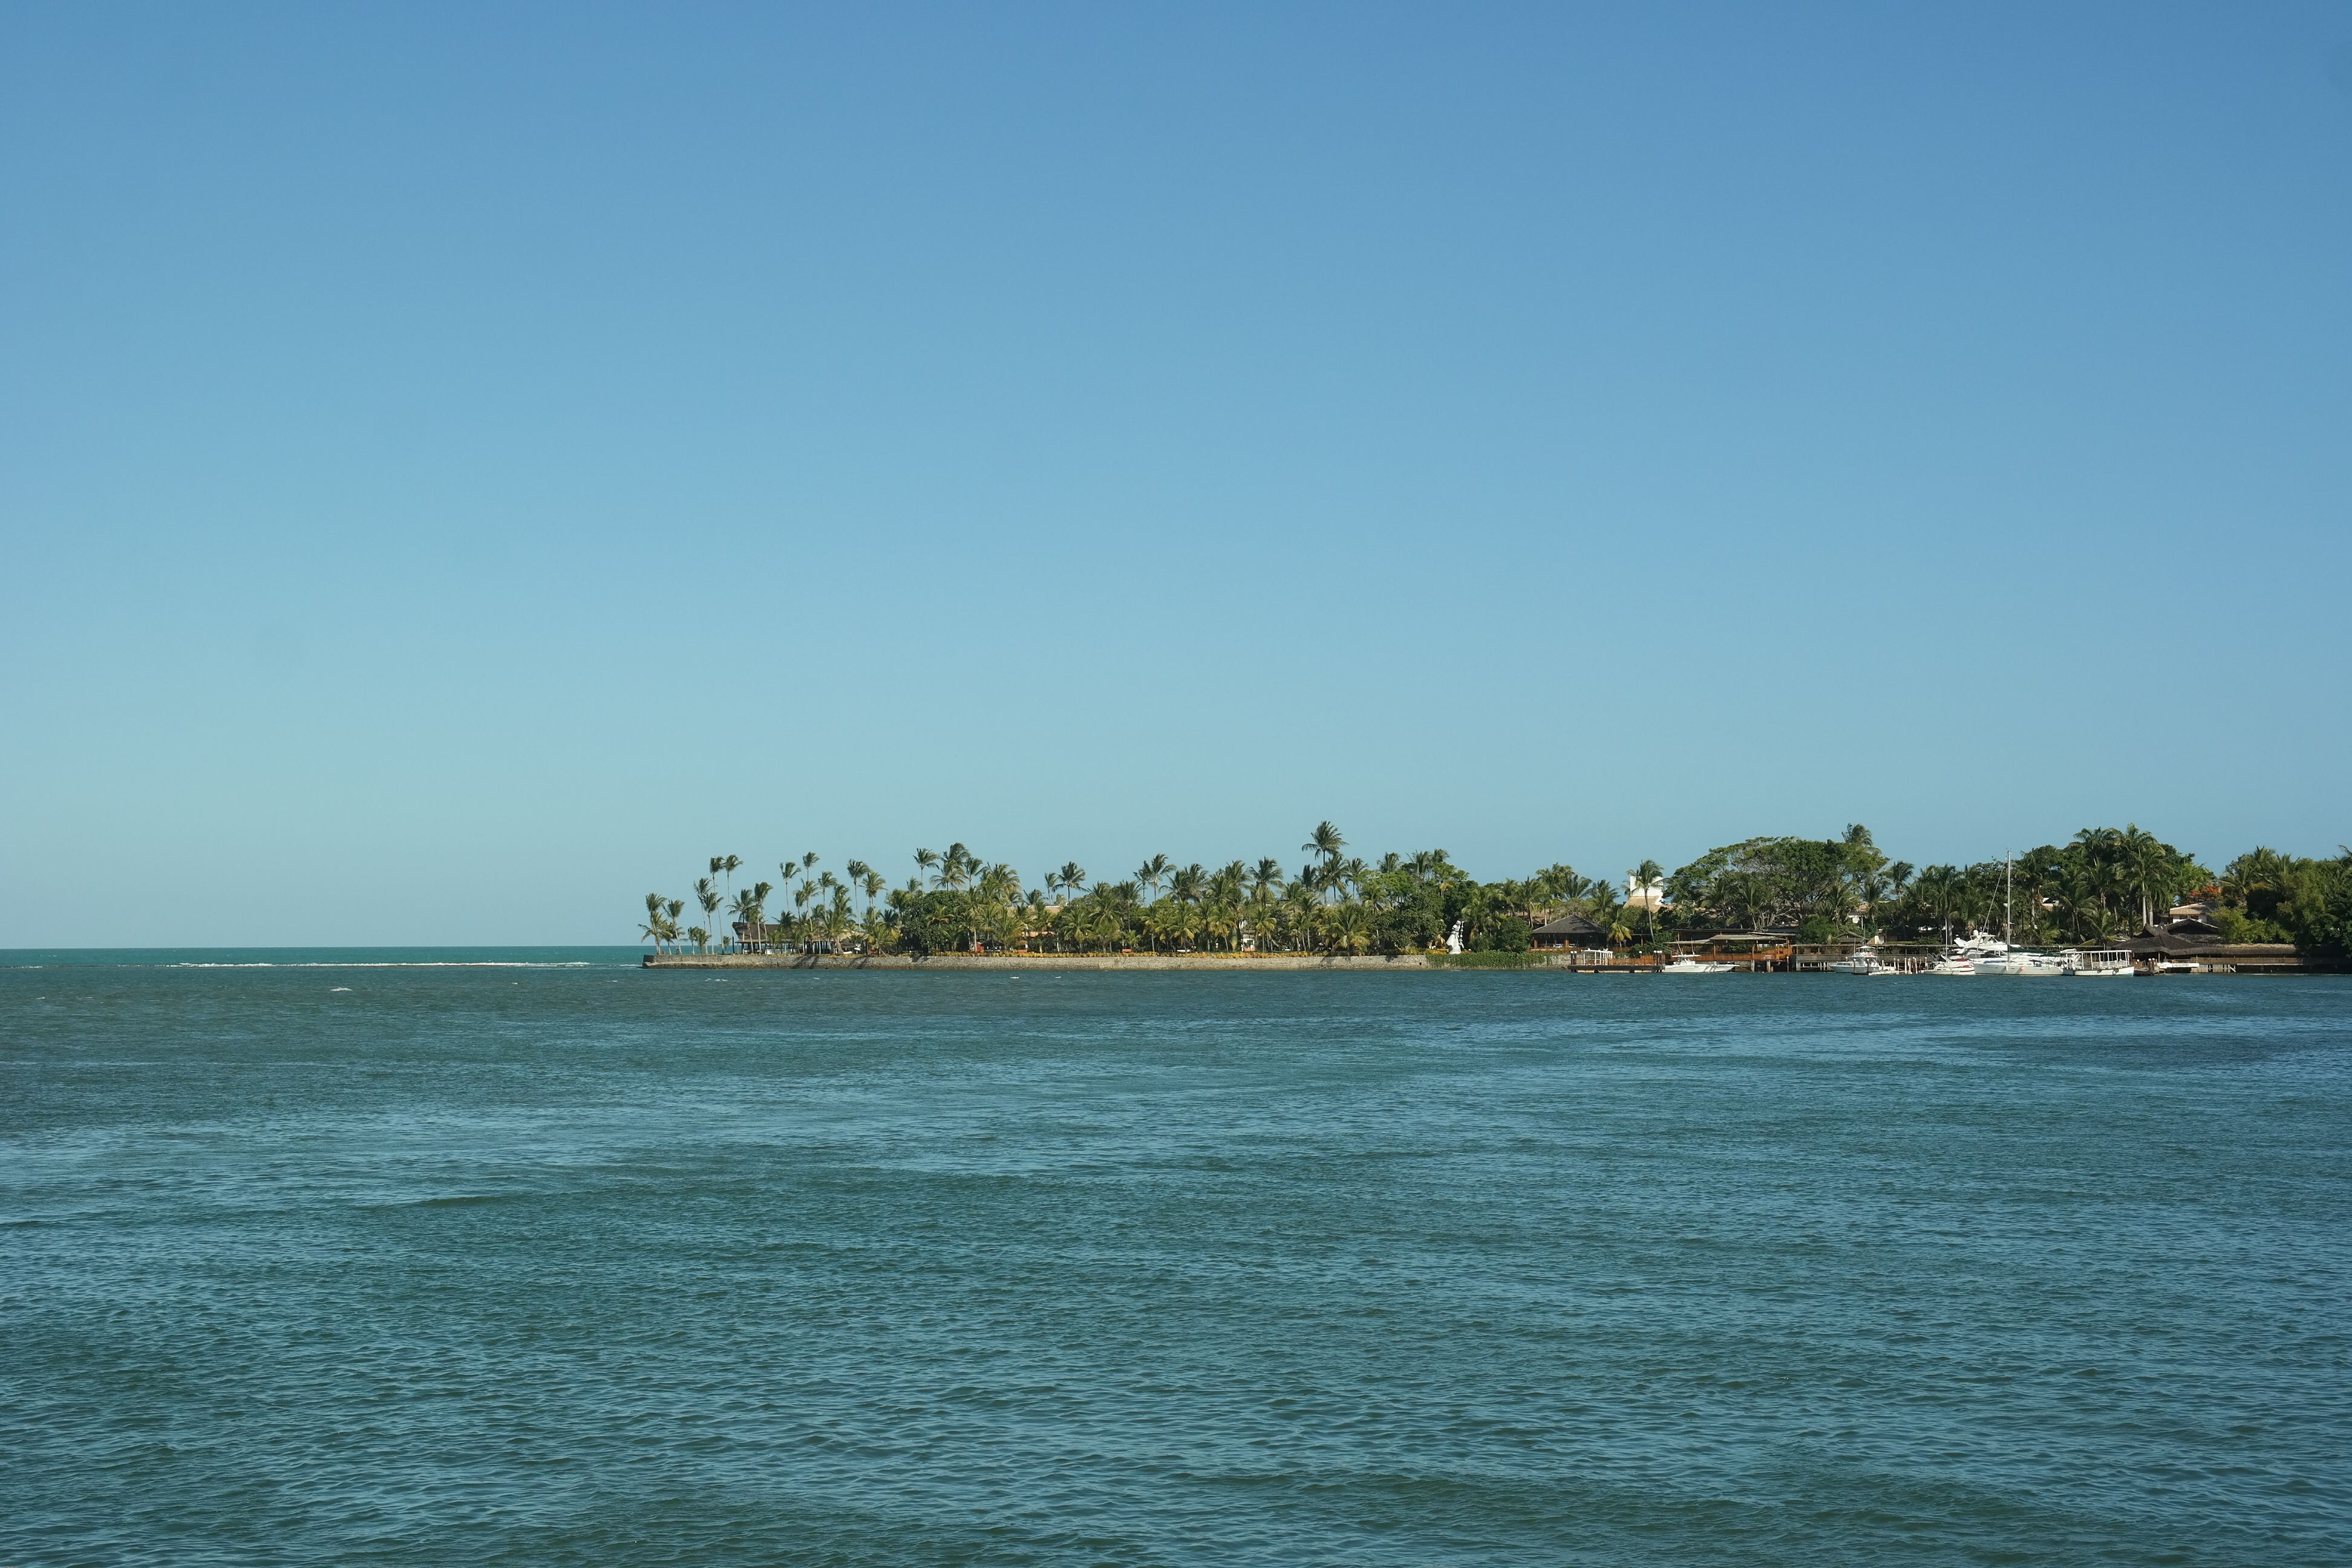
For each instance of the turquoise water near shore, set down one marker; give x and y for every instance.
(576, 1263)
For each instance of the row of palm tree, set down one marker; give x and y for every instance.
(1333, 901)
(821, 902)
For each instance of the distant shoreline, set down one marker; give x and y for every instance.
(1228, 963)
(1215, 963)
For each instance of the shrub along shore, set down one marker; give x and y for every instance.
(2102, 885)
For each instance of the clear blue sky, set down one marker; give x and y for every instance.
(462, 467)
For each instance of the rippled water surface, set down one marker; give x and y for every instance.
(594, 1266)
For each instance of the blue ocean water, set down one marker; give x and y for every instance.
(325, 1261)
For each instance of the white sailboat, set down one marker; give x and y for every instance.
(1991, 957)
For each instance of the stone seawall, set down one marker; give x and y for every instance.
(946, 961)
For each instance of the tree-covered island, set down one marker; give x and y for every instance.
(2104, 884)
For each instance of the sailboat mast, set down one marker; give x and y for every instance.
(2007, 887)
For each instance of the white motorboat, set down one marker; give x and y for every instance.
(1969, 954)
(2103, 963)
(1694, 967)
(2020, 960)
(1862, 962)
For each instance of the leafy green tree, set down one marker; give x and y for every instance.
(932, 922)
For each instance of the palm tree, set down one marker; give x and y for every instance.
(728, 864)
(2148, 870)
(996, 895)
(1074, 877)
(2259, 881)
(924, 860)
(1148, 875)
(1349, 927)
(749, 907)
(652, 918)
(2077, 888)
(1325, 843)
(656, 926)
(1650, 877)
(1265, 879)
(1299, 902)
(1942, 893)
(706, 893)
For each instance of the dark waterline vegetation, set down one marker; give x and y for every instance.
(2102, 884)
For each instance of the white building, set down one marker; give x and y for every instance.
(1641, 895)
